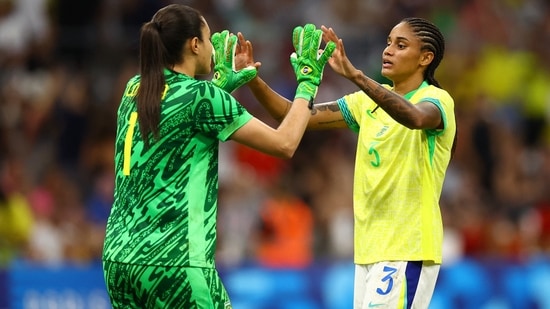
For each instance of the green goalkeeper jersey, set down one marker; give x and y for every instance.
(165, 200)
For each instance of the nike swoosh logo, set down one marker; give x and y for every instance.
(369, 112)
(371, 305)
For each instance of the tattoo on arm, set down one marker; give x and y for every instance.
(326, 107)
(395, 105)
(329, 122)
(329, 106)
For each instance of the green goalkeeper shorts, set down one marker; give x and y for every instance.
(154, 287)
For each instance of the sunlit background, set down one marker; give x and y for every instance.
(285, 227)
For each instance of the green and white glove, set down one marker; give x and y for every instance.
(308, 61)
(225, 74)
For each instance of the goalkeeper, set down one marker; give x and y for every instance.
(160, 240)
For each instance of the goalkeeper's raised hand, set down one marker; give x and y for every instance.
(309, 60)
(226, 74)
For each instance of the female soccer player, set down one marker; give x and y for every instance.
(159, 249)
(406, 133)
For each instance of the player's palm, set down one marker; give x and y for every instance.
(339, 62)
(244, 54)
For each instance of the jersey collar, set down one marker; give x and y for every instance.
(409, 95)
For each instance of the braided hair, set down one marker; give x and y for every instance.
(432, 40)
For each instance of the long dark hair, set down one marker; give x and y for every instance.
(432, 40)
(161, 46)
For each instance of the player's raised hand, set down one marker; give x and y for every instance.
(309, 59)
(339, 61)
(244, 54)
(226, 55)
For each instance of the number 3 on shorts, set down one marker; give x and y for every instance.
(388, 277)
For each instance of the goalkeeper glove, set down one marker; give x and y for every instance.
(225, 74)
(308, 61)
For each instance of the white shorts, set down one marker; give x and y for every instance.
(394, 285)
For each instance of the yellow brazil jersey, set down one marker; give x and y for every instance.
(399, 175)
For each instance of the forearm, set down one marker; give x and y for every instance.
(275, 104)
(394, 104)
(280, 142)
(295, 123)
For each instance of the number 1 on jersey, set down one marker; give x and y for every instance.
(128, 143)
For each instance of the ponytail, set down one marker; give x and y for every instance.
(152, 81)
(161, 46)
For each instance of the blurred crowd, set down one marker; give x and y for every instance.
(64, 65)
